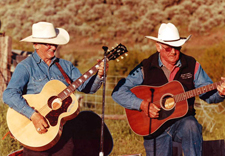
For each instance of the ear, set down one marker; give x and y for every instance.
(36, 46)
(158, 46)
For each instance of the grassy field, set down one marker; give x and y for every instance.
(125, 141)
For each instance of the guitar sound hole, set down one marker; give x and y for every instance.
(53, 115)
(54, 102)
(167, 102)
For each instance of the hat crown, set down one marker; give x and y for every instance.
(168, 32)
(43, 30)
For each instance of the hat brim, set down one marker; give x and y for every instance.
(177, 43)
(61, 38)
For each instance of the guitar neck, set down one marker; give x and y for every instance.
(72, 87)
(113, 54)
(197, 91)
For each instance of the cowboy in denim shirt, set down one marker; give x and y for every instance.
(35, 71)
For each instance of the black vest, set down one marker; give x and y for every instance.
(154, 75)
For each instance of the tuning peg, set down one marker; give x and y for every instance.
(122, 57)
(117, 60)
(126, 54)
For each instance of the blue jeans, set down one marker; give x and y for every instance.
(186, 131)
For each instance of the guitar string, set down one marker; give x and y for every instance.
(109, 56)
(186, 95)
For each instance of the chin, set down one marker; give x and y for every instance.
(51, 54)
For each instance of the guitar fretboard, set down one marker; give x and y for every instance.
(197, 91)
(72, 87)
(110, 55)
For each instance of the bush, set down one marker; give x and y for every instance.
(125, 14)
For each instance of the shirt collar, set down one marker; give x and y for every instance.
(36, 57)
(178, 64)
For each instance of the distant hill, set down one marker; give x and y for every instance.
(94, 23)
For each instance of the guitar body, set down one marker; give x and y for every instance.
(23, 129)
(142, 124)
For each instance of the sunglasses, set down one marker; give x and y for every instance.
(50, 45)
(169, 49)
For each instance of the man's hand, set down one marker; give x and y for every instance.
(221, 88)
(150, 109)
(101, 68)
(39, 122)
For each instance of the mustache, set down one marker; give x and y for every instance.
(50, 50)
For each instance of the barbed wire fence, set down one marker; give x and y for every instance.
(207, 113)
(94, 101)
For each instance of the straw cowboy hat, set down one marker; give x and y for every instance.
(168, 34)
(44, 32)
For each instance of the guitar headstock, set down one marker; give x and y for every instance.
(116, 52)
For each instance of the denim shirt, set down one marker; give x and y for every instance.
(33, 73)
(123, 96)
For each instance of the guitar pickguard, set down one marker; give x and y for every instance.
(53, 115)
(163, 114)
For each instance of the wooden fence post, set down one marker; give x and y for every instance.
(5, 62)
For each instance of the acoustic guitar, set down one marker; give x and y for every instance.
(57, 103)
(171, 98)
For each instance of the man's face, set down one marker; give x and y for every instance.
(169, 55)
(46, 51)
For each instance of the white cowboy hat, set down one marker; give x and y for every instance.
(168, 34)
(44, 32)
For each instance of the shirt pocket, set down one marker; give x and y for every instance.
(38, 82)
(62, 79)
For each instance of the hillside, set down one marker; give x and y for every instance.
(94, 23)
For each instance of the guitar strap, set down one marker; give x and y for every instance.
(68, 80)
